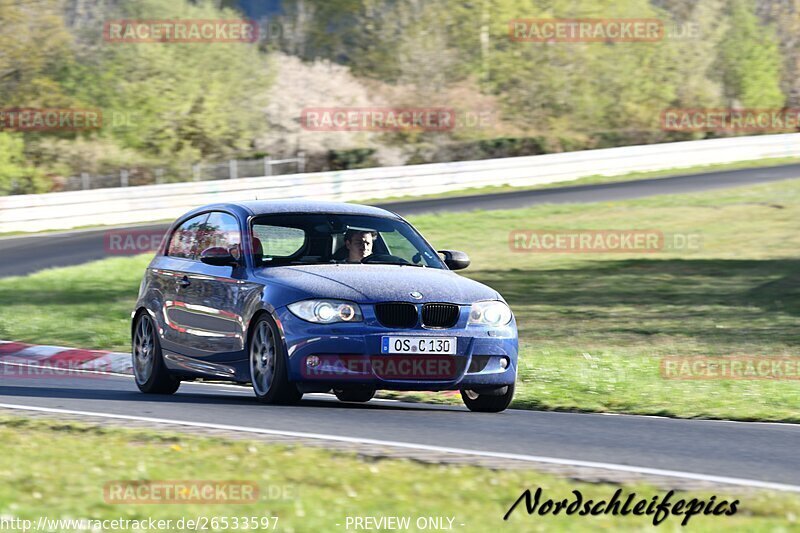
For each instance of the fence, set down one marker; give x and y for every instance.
(233, 169)
(147, 203)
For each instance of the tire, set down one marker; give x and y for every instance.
(268, 372)
(149, 371)
(483, 403)
(355, 396)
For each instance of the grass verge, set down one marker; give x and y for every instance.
(593, 327)
(58, 470)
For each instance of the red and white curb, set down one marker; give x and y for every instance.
(65, 358)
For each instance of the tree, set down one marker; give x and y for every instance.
(16, 176)
(34, 44)
(186, 100)
(749, 60)
(785, 15)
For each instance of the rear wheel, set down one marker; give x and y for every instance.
(149, 371)
(268, 372)
(485, 403)
(357, 396)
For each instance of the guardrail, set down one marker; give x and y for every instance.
(159, 202)
(231, 169)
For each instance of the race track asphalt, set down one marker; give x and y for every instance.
(753, 451)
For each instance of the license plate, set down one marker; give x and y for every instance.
(419, 345)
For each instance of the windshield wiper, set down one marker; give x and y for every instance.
(306, 263)
(390, 263)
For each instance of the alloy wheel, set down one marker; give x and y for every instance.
(262, 359)
(143, 350)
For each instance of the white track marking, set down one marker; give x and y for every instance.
(66, 370)
(438, 449)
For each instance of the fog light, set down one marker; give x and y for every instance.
(504, 362)
(312, 361)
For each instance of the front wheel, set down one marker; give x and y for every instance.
(149, 371)
(268, 372)
(484, 403)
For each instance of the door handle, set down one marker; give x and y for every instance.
(183, 282)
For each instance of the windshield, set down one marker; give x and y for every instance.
(311, 239)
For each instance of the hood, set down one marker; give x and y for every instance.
(378, 283)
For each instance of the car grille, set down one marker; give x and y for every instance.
(396, 315)
(439, 315)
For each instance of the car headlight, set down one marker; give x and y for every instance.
(326, 311)
(490, 313)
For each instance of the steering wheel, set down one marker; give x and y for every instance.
(384, 258)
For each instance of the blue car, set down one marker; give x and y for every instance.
(297, 297)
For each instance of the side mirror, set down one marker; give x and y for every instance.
(218, 256)
(454, 259)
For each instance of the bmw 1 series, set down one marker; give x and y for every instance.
(298, 297)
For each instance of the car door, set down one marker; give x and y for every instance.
(173, 282)
(210, 315)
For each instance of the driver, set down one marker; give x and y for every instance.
(358, 244)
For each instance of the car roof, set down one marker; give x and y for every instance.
(267, 207)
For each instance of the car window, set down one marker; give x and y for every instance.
(183, 243)
(279, 241)
(320, 238)
(219, 230)
(399, 246)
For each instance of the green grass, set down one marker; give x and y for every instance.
(597, 179)
(58, 470)
(593, 327)
(85, 306)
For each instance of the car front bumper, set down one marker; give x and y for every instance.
(346, 356)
